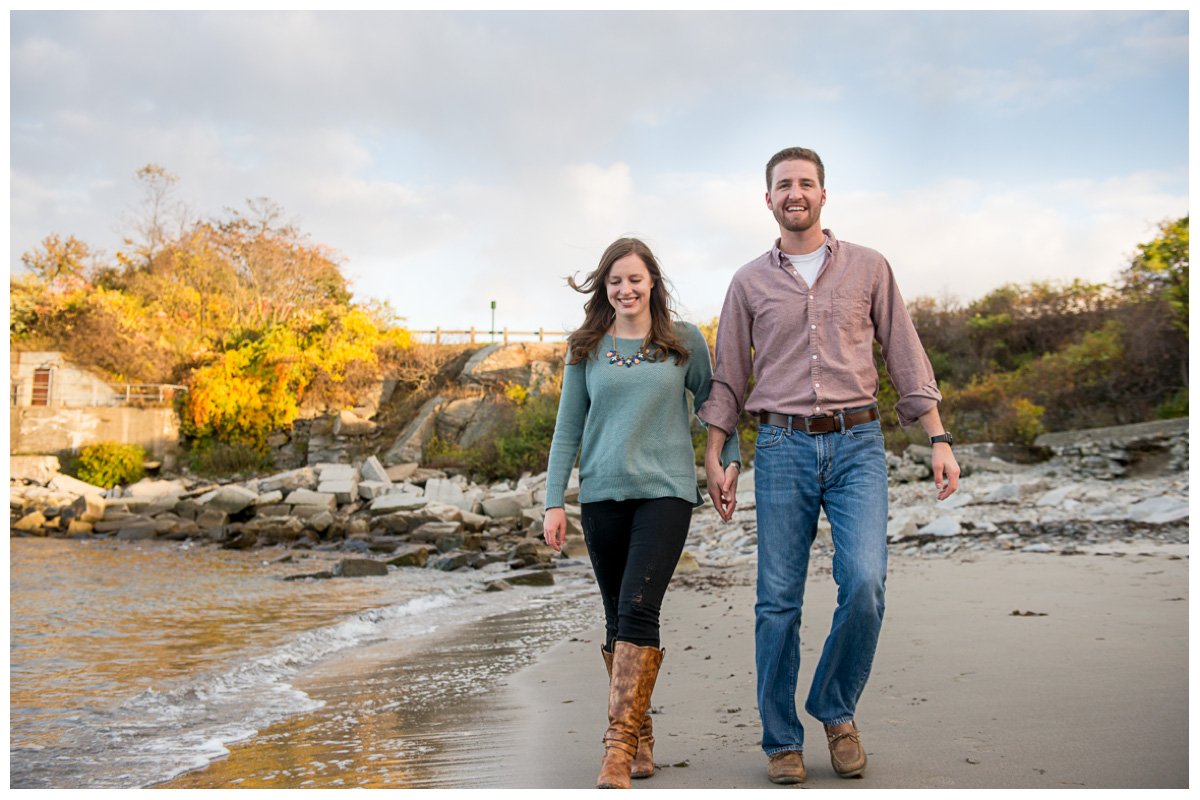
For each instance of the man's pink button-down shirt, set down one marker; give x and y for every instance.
(812, 345)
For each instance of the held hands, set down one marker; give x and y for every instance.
(555, 527)
(722, 485)
(944, 465)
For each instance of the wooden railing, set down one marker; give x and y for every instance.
(149, 392)
(540, 333)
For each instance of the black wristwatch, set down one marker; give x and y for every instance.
(944, 437)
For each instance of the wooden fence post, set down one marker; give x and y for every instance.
(437, 335)
(506, 335)
(472, 334)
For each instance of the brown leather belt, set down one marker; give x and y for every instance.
(825, 423)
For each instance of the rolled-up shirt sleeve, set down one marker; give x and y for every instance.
(907, 363)
(732, 372)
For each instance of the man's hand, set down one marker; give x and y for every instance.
(722, 485)
(945, 470)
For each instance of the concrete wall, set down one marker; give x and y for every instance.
(37, 429)
(69, 385)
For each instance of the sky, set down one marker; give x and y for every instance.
(453, 159)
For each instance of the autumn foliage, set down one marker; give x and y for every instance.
(244, 310)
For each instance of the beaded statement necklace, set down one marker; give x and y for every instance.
(623, 361)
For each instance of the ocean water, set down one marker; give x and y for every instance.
(134, 663)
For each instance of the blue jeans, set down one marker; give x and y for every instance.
(795, 474)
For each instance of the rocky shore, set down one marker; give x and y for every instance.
(374, 517)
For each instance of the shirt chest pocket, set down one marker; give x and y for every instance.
(852, 313)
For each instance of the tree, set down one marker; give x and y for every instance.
(157, 212)
(1161, 267)
(56, 260)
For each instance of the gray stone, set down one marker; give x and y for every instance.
(507, 504)
(1153, 506)
(269, 498)
(396, 501)
(308, 512)
(1037, 548)
(956, 500)
(210, 517)
(473, 522)
(369, 490)
(240, 539)
(344, 491)
(434, 531)
(1057, 496)
(85, 508)
(451, 541)
(133, 532)
(335, 472)
(901, 528)
(499, 585)
(942, 527)
(232, 499)
(306, 497)
(451, 561)
(303, 478)
(1005, 491)
(280, 510)
(410, 444)
(445, 491)
(359, 568)
(372, 470)
(65, 483)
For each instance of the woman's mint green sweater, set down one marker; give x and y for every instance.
(633, 425)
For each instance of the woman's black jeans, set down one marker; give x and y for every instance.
(634, 545)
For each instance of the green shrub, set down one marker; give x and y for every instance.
(110, 463)
(1177, 406)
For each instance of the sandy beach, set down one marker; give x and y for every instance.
(1090, 691)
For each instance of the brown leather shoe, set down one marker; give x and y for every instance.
(643, 762)
(786, 767)
(846, 752)
(634, 672)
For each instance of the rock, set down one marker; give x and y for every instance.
(320, 521)
(687, 565)
(533, 578)
(281, 510)
(322, 575)
(303, 478)
(410, 444)
(507, 504)
(1057, 496)
(335, 472)
(901, 528)
(77, 527)
(401, 472)
(270, 498)
(306, 497)
(38, 469)
(369, 490)
(65, 483)
(344, 491)
(435, 531)
(473, 522)
(372, 470)
(240, 540)
(348, 423)
(1154, 506)
(498, 585)
(32, 521)
(956, 500)
(396, 501)
(211, 517)
(232, 499)
(409, 555)
(451, 561)
(942, 527)
(519, 363)
(85, 508)
(1037, 548)
(1005, 491)
(148, 487)
(359, 568)
(134, 532)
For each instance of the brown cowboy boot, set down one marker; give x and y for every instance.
(635, 670)
(643, 762)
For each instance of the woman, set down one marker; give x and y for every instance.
(624, 410)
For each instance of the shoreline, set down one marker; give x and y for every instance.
(963, 693)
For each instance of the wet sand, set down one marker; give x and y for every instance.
(963, 694)
(1090, 691)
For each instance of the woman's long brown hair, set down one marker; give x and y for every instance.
(599, 314)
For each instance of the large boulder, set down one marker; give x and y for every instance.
(372, 470)
(507, 504)
(65, 483)
(231, 499)
(410, 444)
(38, 469)
(359, 568)
(521, 363)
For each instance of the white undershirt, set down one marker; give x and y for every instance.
(809, 265)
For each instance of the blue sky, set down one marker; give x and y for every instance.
(454, 158)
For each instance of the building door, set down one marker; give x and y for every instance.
(41, 387)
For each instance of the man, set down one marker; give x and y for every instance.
(805, 315)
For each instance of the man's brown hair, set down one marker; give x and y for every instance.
(796, 154)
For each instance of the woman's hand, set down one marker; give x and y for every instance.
(555, 527)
